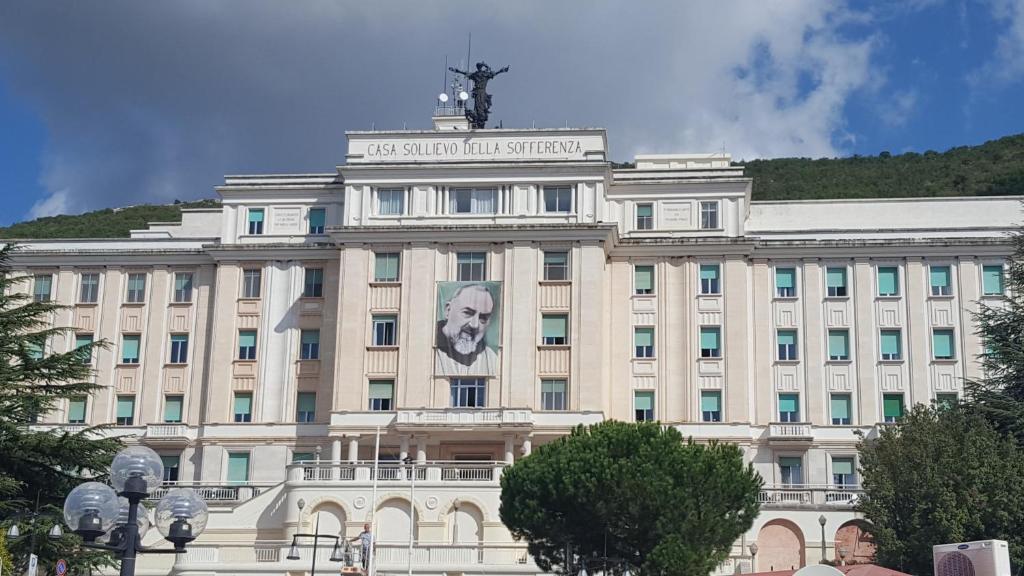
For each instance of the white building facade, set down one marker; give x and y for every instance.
(260, 346)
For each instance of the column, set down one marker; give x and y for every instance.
(509, 453)
(335, 459)
(527, 445)
(353, 449)
(403, 450)
(421, 449)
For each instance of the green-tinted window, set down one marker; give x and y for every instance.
(643, 406)
(643, 342)
(247, 345)
(843, 472)
(710, 279)
(243, 407)
(35, 350)
(888, 281)
(310, 345)
(82, 344)
(238, 467)
(835, 282)
(305, 407)
(171, 466)
(787, 344)
(125, 410)
(256, 221)
(838, 344)
(554, 329)
(644, 210)
(183, 287)
(992, 280)
(785, 282)
(172, 408)
(314, 286)
(891, 345)
(789, 407)
(76, 410)
(892, 407)
(839, 405)
(317, 220)
(303, 457)
(710, 342)
(381, 394)
(552, 394)
(711, 406)
(42, 287)
(643, 279)
(940, 281)
(644, 216)
(130, 349)
(942, 344)
(946, 399)
(179, 349)
(385, 266)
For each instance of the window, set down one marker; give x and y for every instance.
(644, 216)
(835, 282)
(130, 349)
(709, 279)
(385, 266)
(888, 281)
(891, 344)
(89, 290)
(709, 215)
(838, 344)
(314, 286)
(787, 344)
(255, 221)
(643, 406)
(391, 201)
(42, 285)
(125, 410)
(711, 406)
(643, 342)
(840, 409)
(558, 199)
(942, 344)
(305, 407)
(710, 342)
(469, 392)
(842, 473)
(474, 201)
(789, 407)
(317, 220)
(172, 408)
(556, 266)
(83, 344)
(554, 329)
(179, 348)
(785, 282)
(946, 399)
(992, 281)
(643, 279)
(941, 285)
(35, 349)
(243, 407)
(892, 407)
(791, 470)
(238, 467)
(552, 394)
(171, 467)
(136, 288)
(310, 345)
(303, 457)
(76, 410)
(251, 280)
(385, 330)
(471, 266)
(182, 286)
(381, 394)
(247, 345)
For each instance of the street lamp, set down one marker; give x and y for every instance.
(822, 520)
(336, 554)
(753, 556)
(14, 532)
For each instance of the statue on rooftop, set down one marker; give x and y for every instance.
(481, 99)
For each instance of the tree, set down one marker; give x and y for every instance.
(635, 492)
(41, 465)
(941, 475)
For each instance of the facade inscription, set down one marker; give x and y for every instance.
(470, 148)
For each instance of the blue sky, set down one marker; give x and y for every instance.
(121, 102)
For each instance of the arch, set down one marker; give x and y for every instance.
(331, 516)
(446, 509)
(464, 524)
(854, 537)
(392, 521)
(780, 546)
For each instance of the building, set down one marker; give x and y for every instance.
(473, 294)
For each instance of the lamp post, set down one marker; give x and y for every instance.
(93, 510)
(843, 553)
(293, 551)
(822, 520)
(412, 510)
(14, 532)
(753, 556)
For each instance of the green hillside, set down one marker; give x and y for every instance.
(109, 223)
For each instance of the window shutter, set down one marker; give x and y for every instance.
(840, 405)
(890, 342)
(643, 401)
(838, 341)
(790, 462)
(787, 337)
(940, 276)
(709, 272)
(643, 337)
(943, 343)
(306, 402)
(710, 401)
(130, 347)
(992, 279)
(842, 466)
(554, 326)
(644, 210)
(892, 405)
(381, 389)
(709, 338)
(644, 277)
(76, 410)
(125, 406)
(310, 336)
(243, 403)
(887, 281)
(785, 277)
(238, 467)
(172, 409)
(317, 218)
(788, 402)
(247, 339)
(256, 215)
(835, 277)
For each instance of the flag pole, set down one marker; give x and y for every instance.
(370, 563)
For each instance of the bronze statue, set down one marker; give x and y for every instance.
(481, 99)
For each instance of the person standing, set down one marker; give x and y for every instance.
(365, 540)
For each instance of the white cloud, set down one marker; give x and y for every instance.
(897, 109)
(1007, 63)
(54, 204)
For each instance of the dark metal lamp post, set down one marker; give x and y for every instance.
(14, 532)
(336, 554)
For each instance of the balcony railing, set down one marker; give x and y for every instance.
(214, 492)
(810, 495)
(436, 471)
(790, 431)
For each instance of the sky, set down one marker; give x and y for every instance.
(119, 102)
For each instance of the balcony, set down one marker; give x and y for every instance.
(464, 417)
(809, 496)
(215, 493)
(169, 433)
(440, 473)
(790, 433)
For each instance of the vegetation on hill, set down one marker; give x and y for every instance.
(109, 223)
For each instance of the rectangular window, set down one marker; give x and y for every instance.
(789, 407)
(251, 280)
(470, 266)
(385, 330)
(891, 344)
(35, 349)
(83, 345)
(552, 394)
(710, 342)
(474, 200)
(171, 466)
(946, 399)
(791, 470)
(381, 394)
(76, 410)
(558, 199)
(391, 201)
(711, 406)
(303, 457)
(643, 279)
(942, 344)
(469, 392)
(130, 349)
(172, 408)
(992, 281)
(247, 345)
(310, 340)
(42, 285)
(838, 344)
(643, 342)
(554, 329)
(136, 288)
(892, 407)
(255, 221)
(89, 290)
(385, 266)
(314, 285)
(125, 410)
(785, 282)
(238, 467)
(643, 406)
(317, 220)
(940, 281)
(179, 348)
(644, 216)
(888, 281)
(709, 279)
(840, 409)
(835, 282)
(787, 344)
(243, 407)
(182, 287)
(709, 216)
(305, 407)
(556, 266)
(843, 473)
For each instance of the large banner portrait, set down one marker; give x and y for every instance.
(468, 328)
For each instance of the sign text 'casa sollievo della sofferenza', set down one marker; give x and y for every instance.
(462, 147)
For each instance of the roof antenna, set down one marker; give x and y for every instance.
(373, 126)
(403, 125)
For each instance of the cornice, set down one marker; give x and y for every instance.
(248, 252)
(605, 233)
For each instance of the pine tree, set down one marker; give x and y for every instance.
(41, 465)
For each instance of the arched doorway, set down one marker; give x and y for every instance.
(854, 539)
(780, 546)
(392, 522)
(465, 524)
(331, 517)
